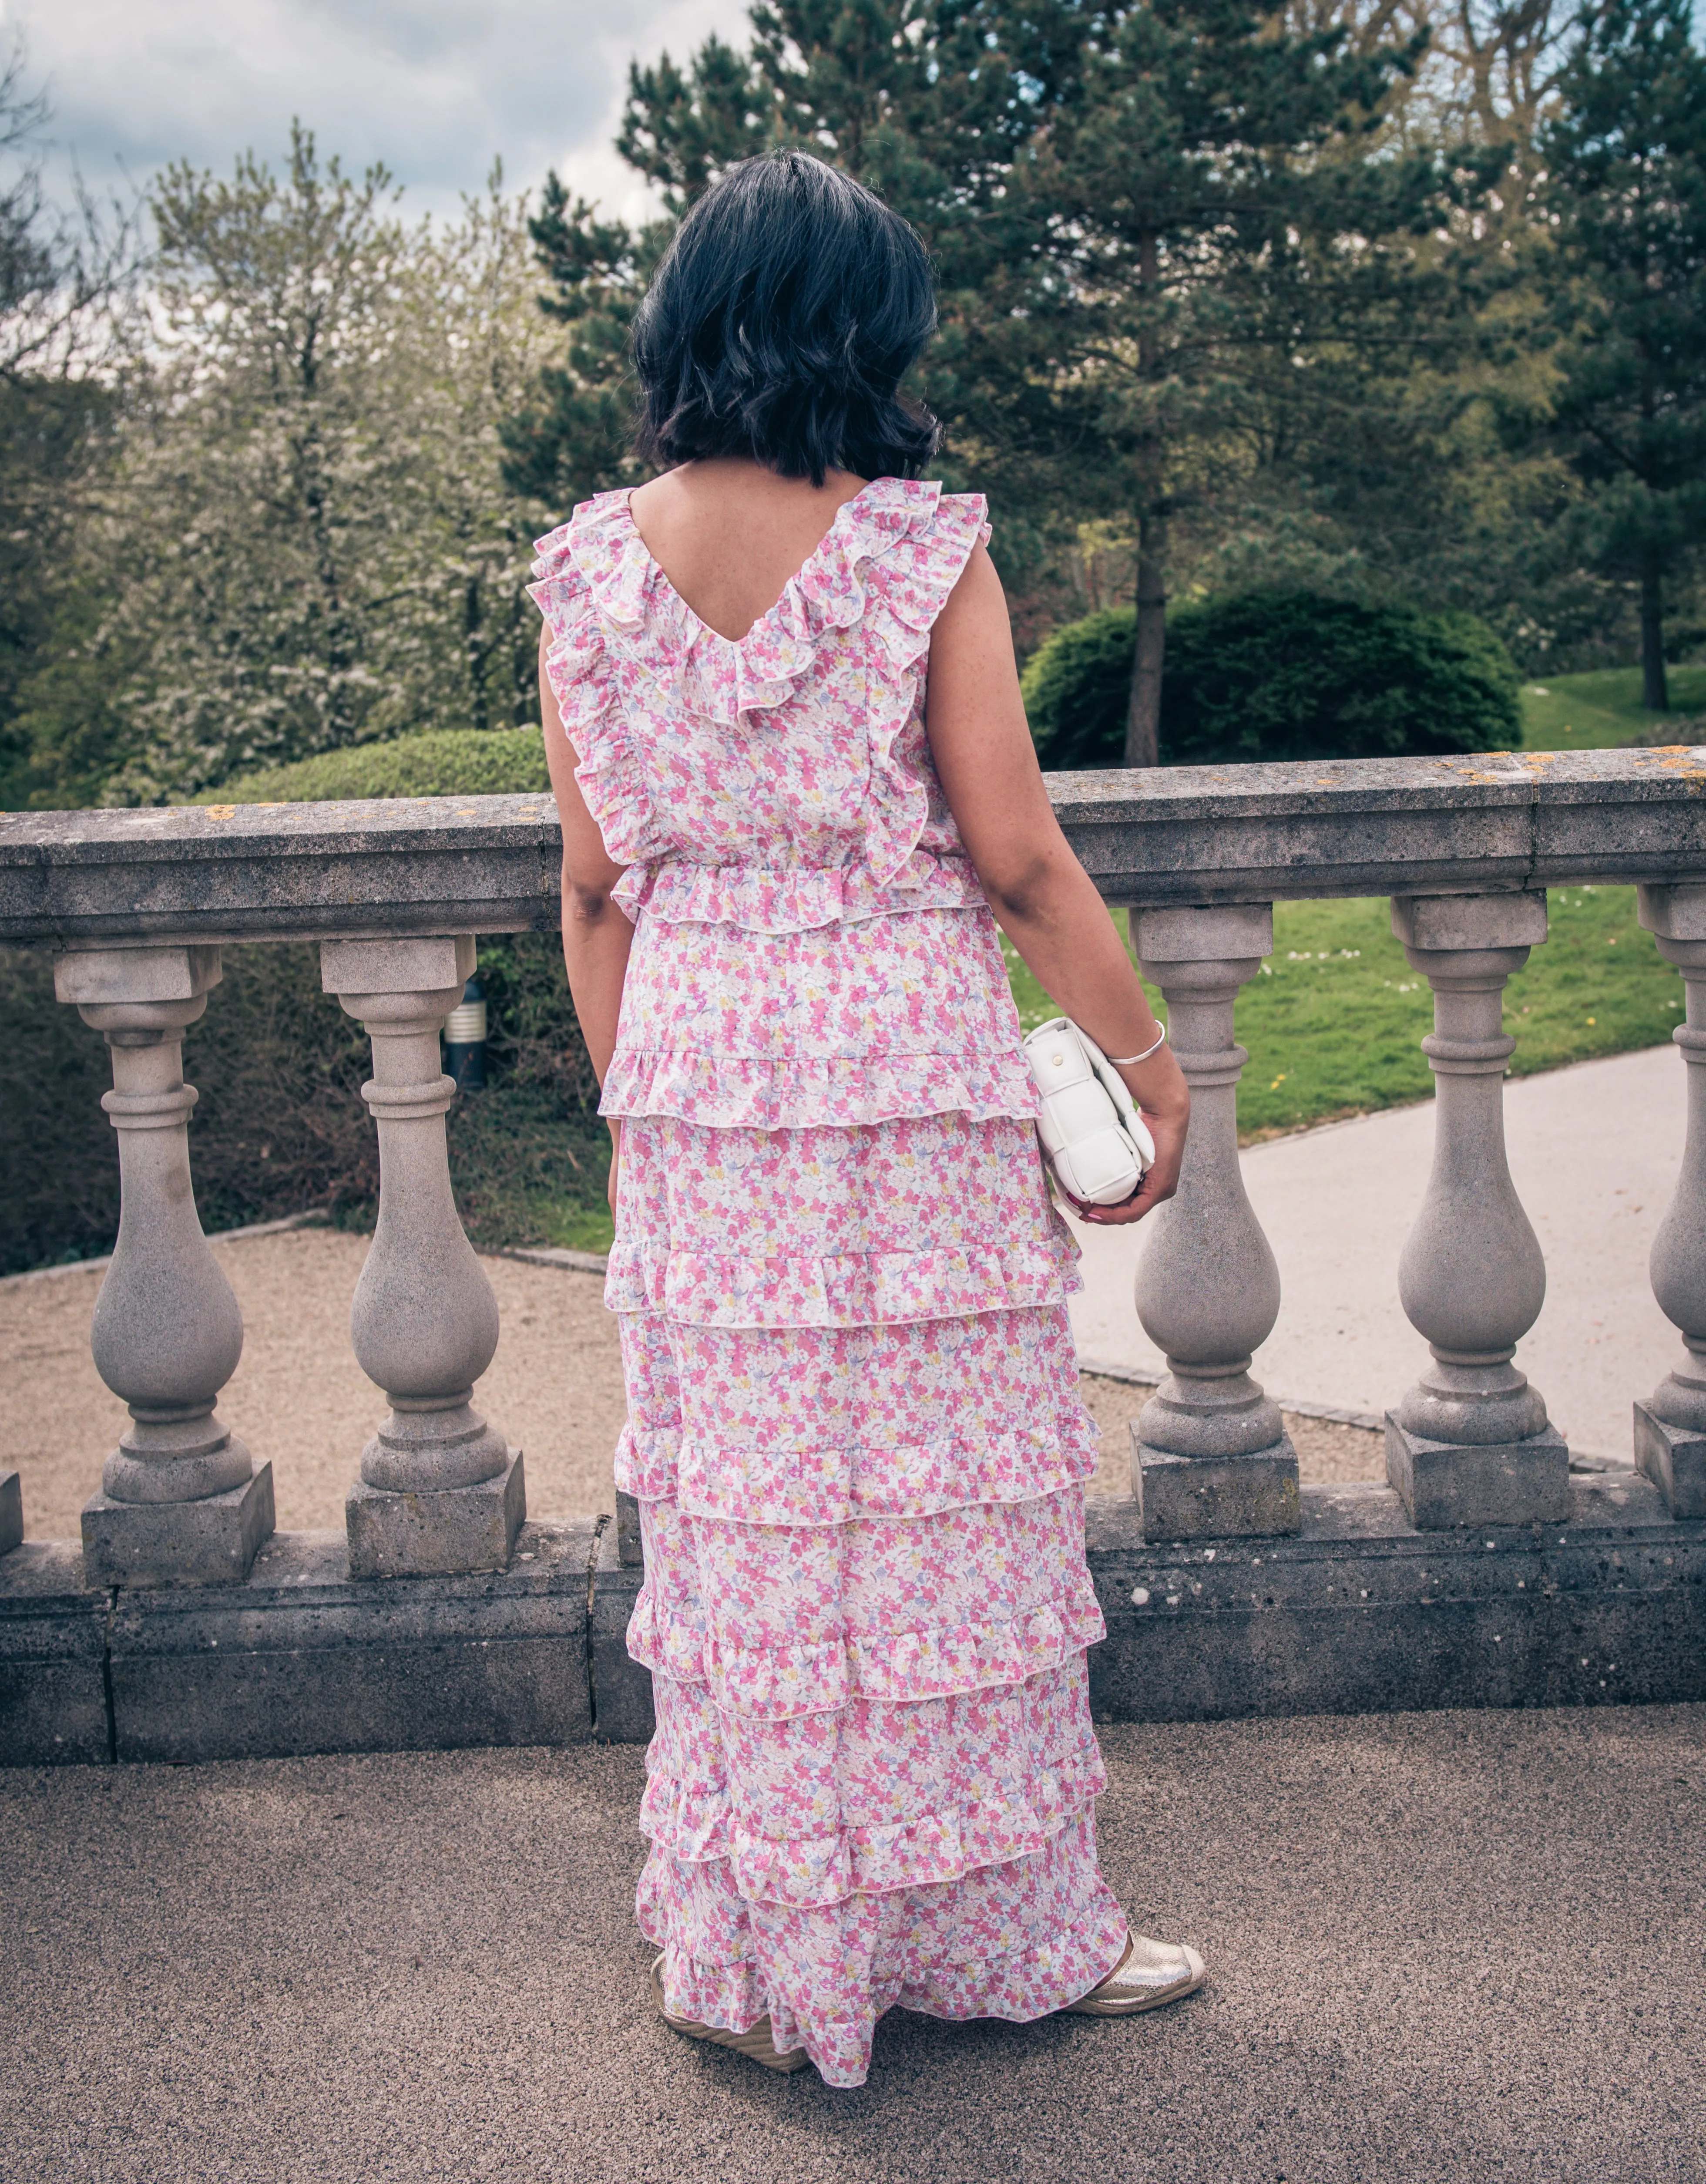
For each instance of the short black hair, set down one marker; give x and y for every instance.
(780, 324)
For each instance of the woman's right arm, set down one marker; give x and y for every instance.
(596, 935)
(1043, 899)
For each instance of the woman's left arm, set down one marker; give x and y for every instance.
(596, 935)
(1042, 898)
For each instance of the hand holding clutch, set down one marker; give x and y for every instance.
(1093, 1138)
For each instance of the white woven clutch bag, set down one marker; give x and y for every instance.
(1093, 1137)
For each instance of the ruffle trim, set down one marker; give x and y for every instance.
(806, 1872)
(735, 1092)
(1019, 1985)
(892, 556)
(854, 1289)
(775, 1683)
(813, 1486)
(792, 900)
(583, 682)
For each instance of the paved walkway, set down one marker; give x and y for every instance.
(1594, 1151)
(1444, 1948)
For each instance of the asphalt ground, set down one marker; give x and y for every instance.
(1441, 1947)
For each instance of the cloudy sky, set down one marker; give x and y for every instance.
(433, 87)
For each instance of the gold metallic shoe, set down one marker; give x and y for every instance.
(1149, 1975)
(756, 2042)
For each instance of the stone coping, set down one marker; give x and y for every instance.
(1360, 1612)
(1188, 835)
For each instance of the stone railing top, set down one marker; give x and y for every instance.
(1178, 835)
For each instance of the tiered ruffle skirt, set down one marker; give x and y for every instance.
(857, 1441)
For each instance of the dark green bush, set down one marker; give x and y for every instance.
(445, 762)
(1278, 675)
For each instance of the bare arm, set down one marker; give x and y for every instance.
(1041, 895)
(596, 936)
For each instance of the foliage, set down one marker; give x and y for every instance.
(1625, 194)
(440, 762)
(1279, 675)
(569, 440)
(1335, 1024)
(1147, 219)
(68, 306)
(1077, 689)
(304, 541)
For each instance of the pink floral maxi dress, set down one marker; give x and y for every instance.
(855, 1429)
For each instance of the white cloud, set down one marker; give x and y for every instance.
(434, 88)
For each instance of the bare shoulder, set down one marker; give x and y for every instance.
(972, 628)
(979, 590)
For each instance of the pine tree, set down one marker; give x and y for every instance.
(1142, 217)
(1625, 197)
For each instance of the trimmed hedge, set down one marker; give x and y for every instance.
(444, 762)
(1278, 675)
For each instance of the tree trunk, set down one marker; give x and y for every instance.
(1143, 715)
(1143, 712)
(1655, 694)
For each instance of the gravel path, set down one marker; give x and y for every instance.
(1442, 1949)
(299, 1397)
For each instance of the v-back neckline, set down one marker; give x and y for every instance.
(759, 622)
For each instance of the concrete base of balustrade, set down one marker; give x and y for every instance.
(212, 1541)
(1215, 1497)
(1358, 1613)
(622, 1689)
(300, 1657)
(1444, 1484)
(1675, 1460)
(11, 1512)
(444, 1534)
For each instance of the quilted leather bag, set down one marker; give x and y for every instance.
(1093, 1138)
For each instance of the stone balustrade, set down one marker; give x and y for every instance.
(136, 905)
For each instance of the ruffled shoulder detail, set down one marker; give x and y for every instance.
(888, 562)
(907, 585)
(571, 573)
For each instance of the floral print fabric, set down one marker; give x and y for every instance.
(855, 1429)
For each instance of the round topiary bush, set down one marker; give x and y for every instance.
(1278, 675)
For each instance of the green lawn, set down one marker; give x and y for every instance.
(1598, 711)
(1333, 1023)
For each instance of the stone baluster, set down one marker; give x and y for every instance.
(1471, 1443)
(182, 1500)
(1210, 1456)
(439, 1489)
(1671, 1426)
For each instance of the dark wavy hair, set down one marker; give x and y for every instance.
(785, 314)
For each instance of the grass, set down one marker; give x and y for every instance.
(1333, 1021)
(1601, 711)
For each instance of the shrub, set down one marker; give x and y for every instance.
(1278, 675)
(444, 762)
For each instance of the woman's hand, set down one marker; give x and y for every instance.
(1160, 1179)
(1163, 1098)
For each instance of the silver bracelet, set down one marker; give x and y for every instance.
(1125, 1061)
